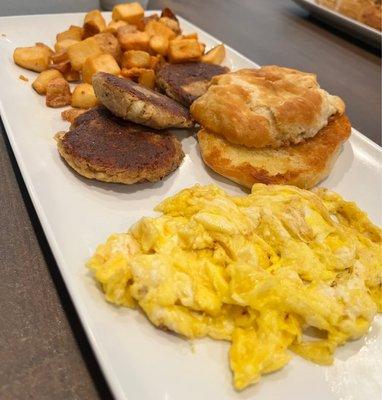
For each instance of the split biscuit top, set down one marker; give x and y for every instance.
(267, 107)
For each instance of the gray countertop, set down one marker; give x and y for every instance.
(43, 350)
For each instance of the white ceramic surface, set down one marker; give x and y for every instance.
(139, 361)
(357, 29)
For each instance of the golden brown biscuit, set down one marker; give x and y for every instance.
(270, 106)
(302, 165)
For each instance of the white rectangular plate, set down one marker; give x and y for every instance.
(139, 361)
(355, 28)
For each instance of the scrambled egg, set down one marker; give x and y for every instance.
(257, 271)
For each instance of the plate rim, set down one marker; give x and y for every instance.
(311, 4)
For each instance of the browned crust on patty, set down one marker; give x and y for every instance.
(103, 147)
(302, 165)
(133, 102)
(185, 82)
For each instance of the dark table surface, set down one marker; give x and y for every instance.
(43, 350)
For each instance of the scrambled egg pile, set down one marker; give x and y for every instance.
(257, 271)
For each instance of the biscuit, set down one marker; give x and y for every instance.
(133, 102)
(302, 165)
(267, 107)
(103, 147)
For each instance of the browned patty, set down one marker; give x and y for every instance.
(187, 81)
(133, 102)
(104, 147)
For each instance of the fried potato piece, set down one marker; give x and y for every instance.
(71, 75)
(184, 50)
(156, 61)
(156, 28)
(41, 82)
(103, 62)
(215, 56)
(192, 35)
(129, 12)
(59, 56)
(43, 45)
(74, 33)
(64, 67)
(64, 44)
(132, 73)
(171, 23)
(83, 96)
(134, 40)
(136, 58)
(58, 93)
(36, 58)
(113, 26)
(71, 114)
(79, 52)
(94, 23)
(159, 44)
(147, 78)
(109, 44)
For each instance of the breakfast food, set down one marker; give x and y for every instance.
(267, 107)
(103, 147)
(187, 81)
(259, 271)
(133, 102)
(368, 12)
(270, 125)
(303, 165)
(130, 46)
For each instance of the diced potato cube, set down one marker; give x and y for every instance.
(64, 44)
(71, 114)
(84, 96)
(215, 56)
(159, 44)
(156, 28)
(154, 17)
(129, 12)
(74, 32)
(109, 44)
(155, 61)
(170, 23)
(132, 73)
(136, 58)
(193, 35)
(184, 50)
(35, 58)
(64, 66)
(41, 82)
(80, 51)
(40, 44)
(72, 76)
(58, 93)
(94, 23)
(59, 56)
(147, 78)
(103, 62)
(113, 26)
(134, 41)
